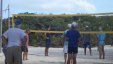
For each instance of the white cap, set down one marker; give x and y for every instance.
(69, 25)
(100, 28)
(74, 24)
(87, 26)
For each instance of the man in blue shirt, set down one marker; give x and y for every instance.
(73, 39)
(101, 42)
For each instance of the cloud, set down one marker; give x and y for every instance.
(55, 6)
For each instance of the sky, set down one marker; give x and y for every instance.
(57, 6)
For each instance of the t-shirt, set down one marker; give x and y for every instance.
(65, 41)
(86, 38)
(14, 36)
(101, 38)
(48, 36)
(73, 36)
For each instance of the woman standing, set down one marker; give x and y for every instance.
(48, 41)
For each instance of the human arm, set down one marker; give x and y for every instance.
(23, 41)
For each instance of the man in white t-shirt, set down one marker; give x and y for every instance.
(16, 37)
(65, 43)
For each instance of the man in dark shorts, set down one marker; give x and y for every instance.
(86, 41)
(73, 39)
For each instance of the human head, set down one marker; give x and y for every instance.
(27, 30)
(69, 25)
(18, 22)
(73, 25)
(49, 27)
(86, 27)
(100, 28)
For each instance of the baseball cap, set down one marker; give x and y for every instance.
(69, 25)
(74, 24)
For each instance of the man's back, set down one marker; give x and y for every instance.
(14, 36)
(86, 38)
(73, 36)
(101, 38)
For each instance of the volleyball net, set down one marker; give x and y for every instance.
(37, 23)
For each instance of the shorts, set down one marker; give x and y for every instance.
(24, 49)
(65, 49)
(100, 47)
(87, 44)
(47, 45)
(72, 50)
(4, 51)
(14, 55)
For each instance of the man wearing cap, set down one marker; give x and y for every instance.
(86, 40)
(15, 37)
(65, 43)
(72, 37)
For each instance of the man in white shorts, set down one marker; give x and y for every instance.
(65, 43)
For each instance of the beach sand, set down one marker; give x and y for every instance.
(36, 56)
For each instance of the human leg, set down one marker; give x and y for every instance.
(69, 58)
(47, 47)
(65, 57)
(23, 52)
(26, 53)
(100, 51)
(74, 58)
(75, 51)
(85, 51)
(85, 46)
(65, 50)
(103, 52)
(17, 55)
(23, 55)
(90, 50)
(46, 51)
(4, 52)
(9, 55)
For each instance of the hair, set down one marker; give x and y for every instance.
(27, 30)
(72, 26)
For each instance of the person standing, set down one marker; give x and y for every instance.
(86, 41)
(25, 48)
(48, 41)
(65, 43)
(4, 48)
(101, 43)
(73, 37)
(15, 37)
